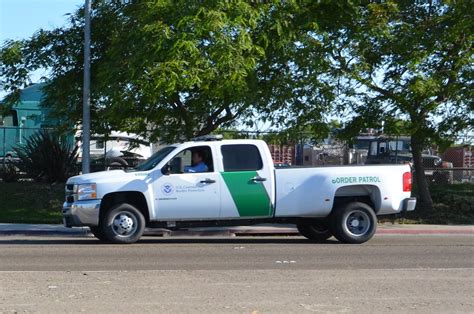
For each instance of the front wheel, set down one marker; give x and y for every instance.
(315, 230)
(98, 233)
(354, 223)
(123, 224)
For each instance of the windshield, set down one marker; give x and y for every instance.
(155, 159)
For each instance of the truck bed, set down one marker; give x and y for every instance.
(311, 191)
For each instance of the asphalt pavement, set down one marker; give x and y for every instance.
(234, 253)
(422, 273)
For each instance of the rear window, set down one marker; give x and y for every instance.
(242, 157)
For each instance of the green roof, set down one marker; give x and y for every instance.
(32, 93)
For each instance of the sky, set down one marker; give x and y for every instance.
(20, 19)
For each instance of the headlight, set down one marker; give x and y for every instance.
(86, 191)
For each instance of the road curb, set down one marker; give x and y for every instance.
(238, 231)
(426, 232)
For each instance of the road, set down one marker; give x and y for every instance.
(424, 274)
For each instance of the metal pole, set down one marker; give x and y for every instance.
(4, 146)
(86, 119)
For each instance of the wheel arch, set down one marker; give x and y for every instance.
(134, 198)
(368, 194)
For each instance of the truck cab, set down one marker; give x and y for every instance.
(223, 190)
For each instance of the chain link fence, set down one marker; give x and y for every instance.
(454, 165)
(11, 137)
(112, 151)
(461, 159)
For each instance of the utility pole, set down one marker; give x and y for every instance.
(86, 115)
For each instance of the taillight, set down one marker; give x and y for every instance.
(407, 182)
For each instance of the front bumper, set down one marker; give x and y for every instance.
(81, 213)
(409, 204)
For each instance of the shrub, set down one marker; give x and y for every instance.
(8, 173)
(44, 157)
(452, 204)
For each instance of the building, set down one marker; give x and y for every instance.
(461, 157)
(329, 152)
(24, 119)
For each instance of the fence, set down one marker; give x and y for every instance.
(13, 136)
(103, 149)
(454, 165)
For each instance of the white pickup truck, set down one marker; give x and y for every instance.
(240, 187)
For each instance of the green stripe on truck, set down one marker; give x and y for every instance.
(250, 198)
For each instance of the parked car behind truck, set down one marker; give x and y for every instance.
(241, 187)
(397, 150)
(118, 150)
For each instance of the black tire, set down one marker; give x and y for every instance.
(123, 224)
(98, 233)
(354, 223)
(314, 230)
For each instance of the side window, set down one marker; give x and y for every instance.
(242, 157)
(193, 160)
(373, 148)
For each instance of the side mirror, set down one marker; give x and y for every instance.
(166, 170)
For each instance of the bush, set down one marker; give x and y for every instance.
(44, 157)
(8, 173)
(453, 204)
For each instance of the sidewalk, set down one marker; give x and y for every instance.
(257, 230)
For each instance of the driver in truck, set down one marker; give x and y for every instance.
(198, 164)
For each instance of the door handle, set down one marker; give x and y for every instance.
(258, 179)
(207, 181)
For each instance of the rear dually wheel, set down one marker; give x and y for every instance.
(354, 223)
(314, 229)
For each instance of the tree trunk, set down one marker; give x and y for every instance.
(425, 196)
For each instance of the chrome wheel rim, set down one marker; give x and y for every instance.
(357, 223)
(124, 224)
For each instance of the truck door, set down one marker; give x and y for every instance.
(189, 191)
(246, 183)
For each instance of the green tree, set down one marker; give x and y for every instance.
(178, 69)
(410, 60)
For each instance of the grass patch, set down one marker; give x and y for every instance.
(453, 204)
(31, 202)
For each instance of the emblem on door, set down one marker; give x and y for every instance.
(167, 189)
